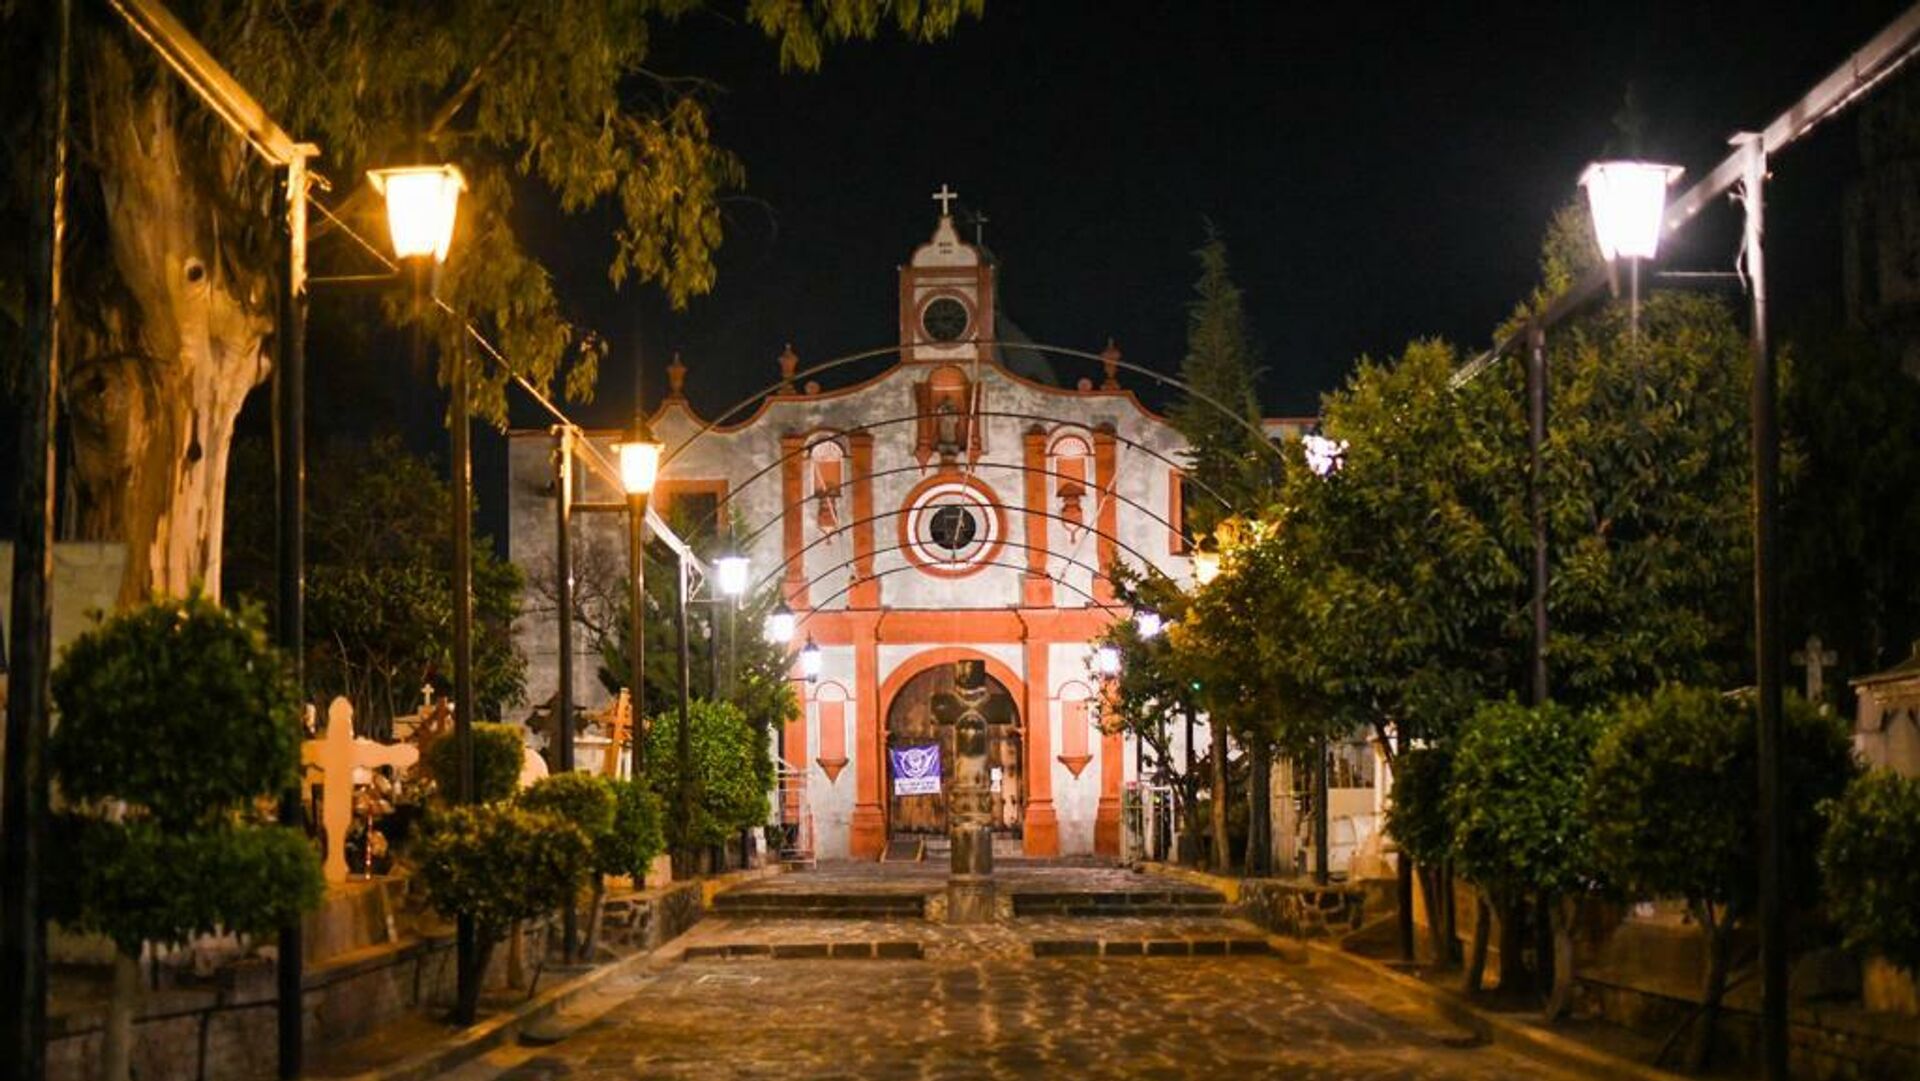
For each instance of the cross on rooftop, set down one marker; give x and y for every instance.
(945, 196)
(1815, 660)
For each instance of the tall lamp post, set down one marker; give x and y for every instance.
(422, 203)
(639, 456)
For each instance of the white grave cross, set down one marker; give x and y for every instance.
(944, 197)
(1816, 661)
(339, 755)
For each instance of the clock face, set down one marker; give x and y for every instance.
(944, 319)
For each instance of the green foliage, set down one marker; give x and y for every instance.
(135, 881)
(379, 565)
(1417, 815)
(179, 717)
(1515, 799)
(1154, 691)
(584, 801)
(1870, 860)
(1413, 582)
(637, 835)
(500, 862)
(1648, 500)
(1221, 374)
(1673, 787)
(497, 758)
(728, 778)
(178, 706)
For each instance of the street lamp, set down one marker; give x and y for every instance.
(421, 203)
(780, 624)
(810, 660)
(1106, 662)
(1629, 204)
(730, 572)
(639, 456)
(1147, 622)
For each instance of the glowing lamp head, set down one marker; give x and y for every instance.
(421, 203)
(1147, 622)
(1629, 204)
(1324, 456)
(1106, 662)
(810, 660)
(730, 573)
(780, 624)
(639, 461)
(1206, 565)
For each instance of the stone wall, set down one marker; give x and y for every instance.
(86, 579)
(1302, 909)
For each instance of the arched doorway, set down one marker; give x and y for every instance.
(910, 723)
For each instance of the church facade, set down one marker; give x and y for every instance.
(959, 505)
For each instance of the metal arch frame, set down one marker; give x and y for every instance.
(885, 422)
(768, 578)
(774, 388)
(845, 563)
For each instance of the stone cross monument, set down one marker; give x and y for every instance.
(338, 754)
(1816, 660)
(970, 707)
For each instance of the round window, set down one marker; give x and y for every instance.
(952, 527)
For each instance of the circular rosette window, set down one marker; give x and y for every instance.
(953, 525)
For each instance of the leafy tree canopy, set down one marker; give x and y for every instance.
(1515, 799)
(499, 862)
(730, 772)
(1870, 861)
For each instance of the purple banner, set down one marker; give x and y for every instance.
(916, 770)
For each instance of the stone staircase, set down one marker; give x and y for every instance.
(1177, 901)
(736, 904)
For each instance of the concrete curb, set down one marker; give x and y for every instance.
(472, 1042)
(1505, 1032)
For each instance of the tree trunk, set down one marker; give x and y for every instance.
(1222, 856)
(1515, 980)
(116, 1050)
(1477, 956)
(596, 909)
(1260, 811)
(1450, 913)
(466, 1005)
(163, 362)
(1404, 874)
(1713, 990)
(516, 955)
(1432, 887)
(1563, 912)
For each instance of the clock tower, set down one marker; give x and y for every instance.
(946, 297)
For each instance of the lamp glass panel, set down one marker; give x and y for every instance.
(730, 573)
(422, 203)
(1106, 661)
(780, 627)
(639, 466)
(1206, 566)
(1629, 203)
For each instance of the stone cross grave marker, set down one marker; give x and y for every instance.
(1816, 661)
(338, 754)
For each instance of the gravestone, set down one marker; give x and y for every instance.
(339, 755)
(970, 707)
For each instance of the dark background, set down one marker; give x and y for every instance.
(1379, 171)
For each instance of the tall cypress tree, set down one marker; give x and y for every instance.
(1220, 373)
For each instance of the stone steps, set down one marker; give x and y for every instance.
(1238, 946)
(1119, 903)
(851, 906)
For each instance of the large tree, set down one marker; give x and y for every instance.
(172, 267)
(1219, 411)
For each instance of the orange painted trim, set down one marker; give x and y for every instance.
(1041, 827)
(866, 588)
(794, 517)
(985, 626)
(1105, 467)
(1037, 590)
(990, 499)
(667, 489)
(1176, 513)
(868, 832)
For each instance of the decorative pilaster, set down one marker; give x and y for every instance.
(793, 479)
(869, 826)
(1106, 476)
(1042, 837)
(866, 588)
(1106, 817)
(1036, 589)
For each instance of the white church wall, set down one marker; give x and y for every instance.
(831, 799)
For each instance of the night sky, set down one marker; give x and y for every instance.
(1380, 172)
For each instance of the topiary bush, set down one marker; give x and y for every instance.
(498, 751)
(1671, 804)
(498, 863)
(727, 791)
(637, 835)
(1416, 814)
(178, 725)
(1870, 861)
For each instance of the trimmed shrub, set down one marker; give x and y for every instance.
(1871, 865)
(497, 757)
(725, 777)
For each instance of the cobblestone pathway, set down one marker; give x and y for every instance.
(1216, 1018)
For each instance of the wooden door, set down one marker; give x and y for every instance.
(910, 723)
